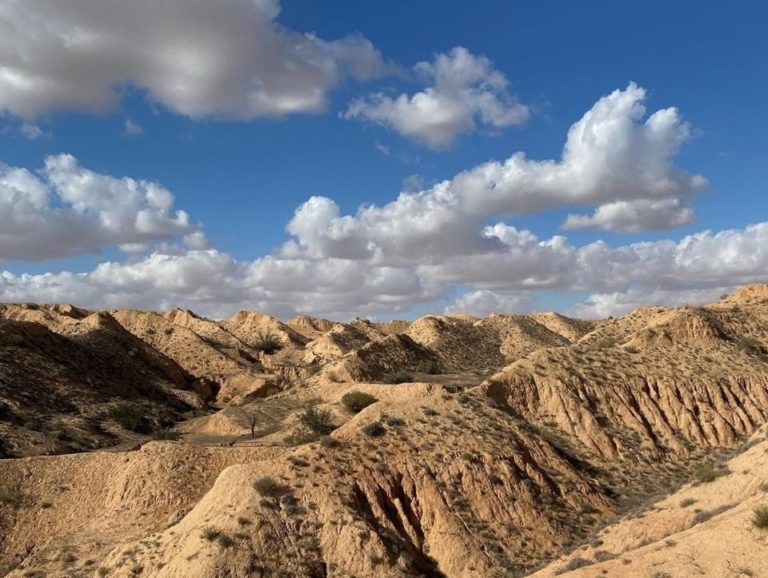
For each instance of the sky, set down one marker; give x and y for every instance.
(382, 160)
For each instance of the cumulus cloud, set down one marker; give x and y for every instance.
(693, 270)
(419, 248)
(483, 302)
(705, 259)
(612, 158)
(610, 155)
(634, 216)
(214, 283)
(464, 90)
(602, 305)
(198, 58)
(67, 209)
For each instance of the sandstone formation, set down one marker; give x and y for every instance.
(505, 446)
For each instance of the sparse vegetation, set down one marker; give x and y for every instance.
(9, 496)
(267, 342)
(210, 533)
(573, 564)
(705, 515)
(374, 429)
(128, 415)
(709, 472)
(751, 345)
(302, 435)
(394, 421)
(397, 377)
(269, 487)
(251, 418)
(760, 517)
(319, 421)
(356, 401)
(166, 434)
(329, 442)
(430, 367)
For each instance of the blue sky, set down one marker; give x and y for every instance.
(241, 178)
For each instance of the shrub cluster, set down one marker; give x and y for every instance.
(356, 401)
(128, 415)
(267, 342)
(374, 429)
(319, 421)
(269, 487)
(397, 377)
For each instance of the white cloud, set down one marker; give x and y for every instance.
(695, 269)
(418, 248)
(31, 131)
(634, 216)
(196, 57)
(602, 305)
(131, 127)
(698, 261)
(610, 155)
(464, 90)
(483, 302)
(69, 210)
(611, 158)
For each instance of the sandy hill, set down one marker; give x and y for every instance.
(202, 347)
(450, 446)
(56, 391)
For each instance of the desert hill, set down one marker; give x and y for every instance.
(450, 446)
(57, 388)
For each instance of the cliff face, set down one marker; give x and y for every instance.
(690, 378)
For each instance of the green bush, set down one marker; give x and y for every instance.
(373, 429)
(317, 420)
(708, 472)
(329, 442)
(209, 533)
(356, 401)
(398, 377)
(128, 415)
(269, 487)
(430, 367)
(166, 434)
(301, 436)
(760, 517)
(573, 564)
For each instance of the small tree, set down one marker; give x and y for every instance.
(251, 418)
(317, 420)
